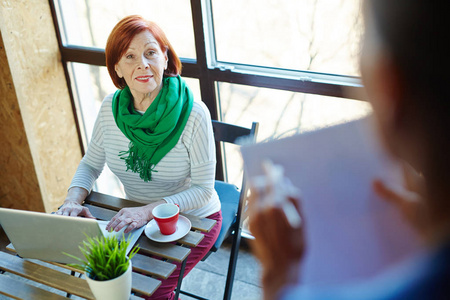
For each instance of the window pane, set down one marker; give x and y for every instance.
(310, 35)
(89, 22)
(194, 85)
(91, 85)
(280, 114)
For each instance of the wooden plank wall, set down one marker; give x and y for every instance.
(39, 149)
(19, 187)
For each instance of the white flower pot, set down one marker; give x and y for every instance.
(115, 289)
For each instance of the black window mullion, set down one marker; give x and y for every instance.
(206, 84)
(85, 55)
(288, 84)
(207, 88)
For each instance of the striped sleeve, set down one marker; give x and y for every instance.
(201, 148)
(92, 163)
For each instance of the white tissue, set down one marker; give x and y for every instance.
(275, 189)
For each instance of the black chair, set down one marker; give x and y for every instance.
(231, 198)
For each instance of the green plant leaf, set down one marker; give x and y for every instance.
(105, 258)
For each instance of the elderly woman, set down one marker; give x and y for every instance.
(153, 137)
(401, 69)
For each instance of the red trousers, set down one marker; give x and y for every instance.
(166, 290)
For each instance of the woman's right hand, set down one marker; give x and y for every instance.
(74, 209)
(72, 205)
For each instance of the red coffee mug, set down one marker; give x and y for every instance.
(166, 216)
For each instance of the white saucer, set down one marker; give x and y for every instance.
(153, 233)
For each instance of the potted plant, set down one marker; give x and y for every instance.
(107, 266)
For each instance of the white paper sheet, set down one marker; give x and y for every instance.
(351, 233)
(133, 235)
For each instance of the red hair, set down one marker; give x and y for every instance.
(120, 39)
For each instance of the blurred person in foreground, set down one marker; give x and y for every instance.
(153, 137)
(402, 71)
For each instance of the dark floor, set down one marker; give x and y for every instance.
(208, 278)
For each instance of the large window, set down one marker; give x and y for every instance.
(312, 35)
(286, 64)
(89, 22)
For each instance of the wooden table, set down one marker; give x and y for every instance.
(154, 262)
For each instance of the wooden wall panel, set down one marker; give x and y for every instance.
(19, 187)
(41, 90)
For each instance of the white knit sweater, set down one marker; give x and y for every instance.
(184, 176)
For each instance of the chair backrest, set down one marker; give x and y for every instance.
(233, 134)
(231, 199)
(224, 132)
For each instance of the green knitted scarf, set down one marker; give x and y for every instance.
(153, 134)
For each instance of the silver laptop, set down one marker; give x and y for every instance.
(46, 236)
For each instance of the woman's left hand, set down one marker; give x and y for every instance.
(132, 217)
